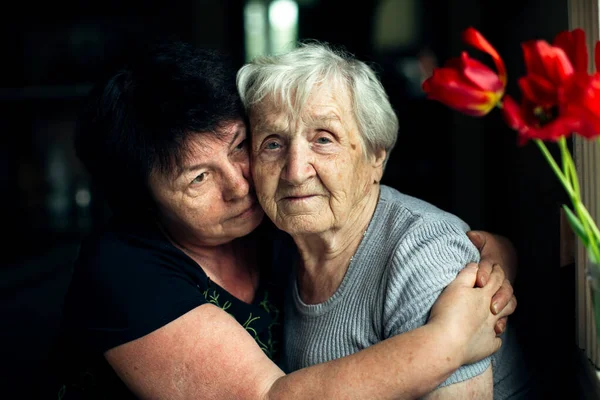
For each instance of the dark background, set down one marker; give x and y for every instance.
(469, 166)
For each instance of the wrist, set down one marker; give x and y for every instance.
(450, 343)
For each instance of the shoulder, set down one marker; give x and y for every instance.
(127, 283)
(126, 250)
(404, 224)
(400, 208)
(430, 245)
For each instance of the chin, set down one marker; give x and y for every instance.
(239, 231)
(302, 225)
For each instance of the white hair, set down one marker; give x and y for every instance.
(288, 79)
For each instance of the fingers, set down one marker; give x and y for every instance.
(509, 309)
(500, 325)
(484, 272)
(478, 239)
(502, 297)
(467, 276)
(496, 280)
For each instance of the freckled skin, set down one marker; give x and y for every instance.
(316, 155)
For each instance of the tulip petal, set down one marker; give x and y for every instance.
(538, 90)
(562, 126)
(480, 75)
(448, 87)
(512, 114)
(582, 91)
(546, 61)
(532, 50)
(589, 122)
(561, 68)
(581, 100)
(573, 44)
(473, 37)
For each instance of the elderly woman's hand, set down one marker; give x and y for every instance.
(462, 311)
(496, 250)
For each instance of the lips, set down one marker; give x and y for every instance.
(299, 197)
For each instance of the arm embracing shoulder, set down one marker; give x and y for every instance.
(205, 353)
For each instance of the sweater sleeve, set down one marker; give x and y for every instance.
(426, 259)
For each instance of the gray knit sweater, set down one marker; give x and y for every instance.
(410, 252)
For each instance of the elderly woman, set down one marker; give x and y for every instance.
(372, 261)
(175, 297)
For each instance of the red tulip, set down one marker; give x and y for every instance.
(580, 99)
(574, 46)
(524, 119)
(548, 68)
(466, 84)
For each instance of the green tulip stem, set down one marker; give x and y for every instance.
(565, 182)
(567, 179)
(569, 166)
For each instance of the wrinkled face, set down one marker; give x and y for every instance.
(311, 174)
(210, 200)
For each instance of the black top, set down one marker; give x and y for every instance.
(129, 280)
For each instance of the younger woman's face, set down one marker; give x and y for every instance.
(210, 200)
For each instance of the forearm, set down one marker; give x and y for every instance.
(406, 366)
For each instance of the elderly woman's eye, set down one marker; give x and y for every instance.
(200, 178)
(272, 146)
(323, 140)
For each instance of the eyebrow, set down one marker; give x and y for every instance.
(330, 116)
(324, 118)
(238, 131)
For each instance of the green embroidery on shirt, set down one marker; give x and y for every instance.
(274, 312)
(270, 347)
(214, 299)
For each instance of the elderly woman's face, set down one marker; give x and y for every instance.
(311, 174)
(210, 200)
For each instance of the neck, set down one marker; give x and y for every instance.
(325, 257)
(230, 265)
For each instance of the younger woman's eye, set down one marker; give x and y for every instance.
(200, 178)
(242, 144)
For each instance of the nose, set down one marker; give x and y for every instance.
(298, 167)
(236, 182)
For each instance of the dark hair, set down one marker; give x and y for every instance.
(139, 117)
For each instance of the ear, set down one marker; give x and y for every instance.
(377, 160)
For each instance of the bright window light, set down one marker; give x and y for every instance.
(270, 32)
(283, 24)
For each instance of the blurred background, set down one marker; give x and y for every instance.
(471, 167)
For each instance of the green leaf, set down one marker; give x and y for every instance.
(576, 225)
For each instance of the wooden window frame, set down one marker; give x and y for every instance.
(585, 14)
